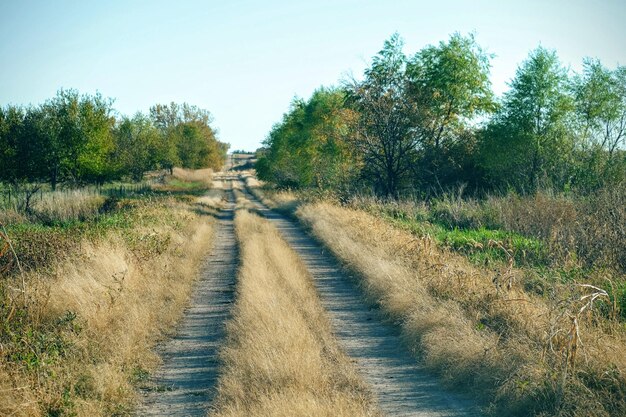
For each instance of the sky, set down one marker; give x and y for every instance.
(245, 61)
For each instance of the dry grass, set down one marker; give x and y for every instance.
(590, 231)
(523, 354)
(214, 198)
(92, 316)
(193, 175)
(241, 201)
(280, 357)
(63, 206)
(282, 200)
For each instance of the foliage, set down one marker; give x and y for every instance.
(384, 133)
(529, 142)
(600, 101)
(187, 138)
(449, 87)
(75, 139)
(425, 124)
(310, 147)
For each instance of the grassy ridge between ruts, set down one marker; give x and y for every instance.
(93, 296)
(280, 357)
(524, 352)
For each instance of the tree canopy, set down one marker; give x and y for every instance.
(429, 122)
(77, 139)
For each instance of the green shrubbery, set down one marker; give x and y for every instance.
(423, 124)
(76, 139)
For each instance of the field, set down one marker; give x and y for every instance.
(90, 283)
(524, 314)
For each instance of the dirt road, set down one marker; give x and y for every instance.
(402, 386)
(184, 384)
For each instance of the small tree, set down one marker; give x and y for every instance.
(600, 102)
(449, 87)
(530, 140)
(136, 143)
(384, 132)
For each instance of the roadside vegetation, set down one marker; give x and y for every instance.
(280, 357)
(429, 123)
(528, 341)
(90, 282)
(490, 229)
(73, 140)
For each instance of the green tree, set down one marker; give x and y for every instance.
(310, 147)
(12, 120)
(75, 133)
(136, 146)
(600, 102)
(187, 138)
(530, 142)
(449, 87)
(385, 134)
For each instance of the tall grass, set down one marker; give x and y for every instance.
(481, 329)
(281, 358)
(58, 207)
(588, 232)
(193, 175)
(108, 289)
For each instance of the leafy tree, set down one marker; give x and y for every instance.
(449, 87)
(385, 136)
(187, 137)
(530, 140)
(600, 102)
(75, 133)
(14, 165)
(136, 146)
(309, 148)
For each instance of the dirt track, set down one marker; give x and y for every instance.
(403, 388)
(185, 383)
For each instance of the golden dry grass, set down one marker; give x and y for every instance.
(282, 200)
(215, 197)
(483, 332)
(105, 306)
(62, 206)
(280, 358)
(193, 175)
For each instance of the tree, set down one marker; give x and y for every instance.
(15, 166)
(385, 136)
(136, 144)
(530, 142)
(449, 88)
(75, 133)
(600, 102)
(187, 137)
(309, 148)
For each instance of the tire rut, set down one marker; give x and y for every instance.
(402, 386)
(185, 384)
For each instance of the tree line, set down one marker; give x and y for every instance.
(78, 139)
(426, 123)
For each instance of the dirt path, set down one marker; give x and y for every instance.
(184, 384)
(402, 386)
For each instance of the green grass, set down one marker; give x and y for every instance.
(480, 246)
(187, 186)
(38, 244)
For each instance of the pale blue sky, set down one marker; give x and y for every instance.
(245, 60)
